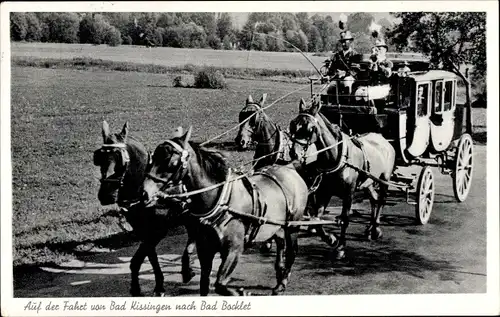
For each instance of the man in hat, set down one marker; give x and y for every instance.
(381, 67)
(341, 66)
(341, 62)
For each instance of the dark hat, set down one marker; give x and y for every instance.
(345, 36)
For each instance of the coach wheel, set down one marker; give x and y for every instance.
(425, 195)
(462, 175)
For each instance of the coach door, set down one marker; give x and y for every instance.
(421, 129)
(442, 119)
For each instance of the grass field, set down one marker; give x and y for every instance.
(56, 117)
(56, 122)
(169, 56)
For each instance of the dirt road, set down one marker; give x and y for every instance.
(448, 255)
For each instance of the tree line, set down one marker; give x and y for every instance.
(316, 33)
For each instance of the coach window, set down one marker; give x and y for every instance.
(438, 97)
(448, 95)
(422, 100)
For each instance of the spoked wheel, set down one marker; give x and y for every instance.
(425, 195)
(462, 176)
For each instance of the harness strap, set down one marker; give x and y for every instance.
(342, 156)
(223, 200)
(359, 144)
(258, 209)
(272, 177)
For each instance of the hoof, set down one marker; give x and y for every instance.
(266, 247)
(188, 276)
(242, 292)
(339, 254)
(333, 241)
(376, 233)
(278, 290)
(159, 294)
(136, 293)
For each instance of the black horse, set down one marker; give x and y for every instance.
(123, 162)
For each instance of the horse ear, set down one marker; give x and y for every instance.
(249, 99)
(179, 132)
(187, 136)
(124, 132)
(302, 105)
(263, 99)
(105, 130)
(315, 106)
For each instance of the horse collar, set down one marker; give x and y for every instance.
(342, 157)
(220, 205)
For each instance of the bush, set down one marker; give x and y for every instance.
(226, 43)
(127, 40)
(179, 81)
(210, 78)
(214, 42)
(112, 36)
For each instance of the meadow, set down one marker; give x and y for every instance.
(56, 117)
(169, 56)
(56, 125)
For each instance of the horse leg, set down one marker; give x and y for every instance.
(291, 247)
(344, 222)
(230, 253)
(153, 259)
(267, 246)
(279, 265)
(135, 266)
(187, 272)
(380, 203)
(373, 196)
(206, 255)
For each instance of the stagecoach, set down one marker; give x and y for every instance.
(418, 113)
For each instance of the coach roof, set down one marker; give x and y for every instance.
(433, 75)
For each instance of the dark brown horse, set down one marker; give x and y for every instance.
(232, 209)
(123, 162)
(343, 166)
(272, 143)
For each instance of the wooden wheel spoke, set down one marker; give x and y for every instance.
(464, 162)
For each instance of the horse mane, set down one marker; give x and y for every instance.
(213, 162)
(333, 128)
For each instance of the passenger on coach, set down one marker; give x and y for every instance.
(381, 67)
(341, 66)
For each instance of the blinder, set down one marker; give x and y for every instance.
(176, 177)
(100, 154)
(119, 149)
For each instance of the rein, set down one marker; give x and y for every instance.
(266, 107)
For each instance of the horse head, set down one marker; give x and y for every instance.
(122, 162)
(178, 165)
(248, 119)
(304, 130)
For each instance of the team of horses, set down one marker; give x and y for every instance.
(224, 211)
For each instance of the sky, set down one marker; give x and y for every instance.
(239, 18)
